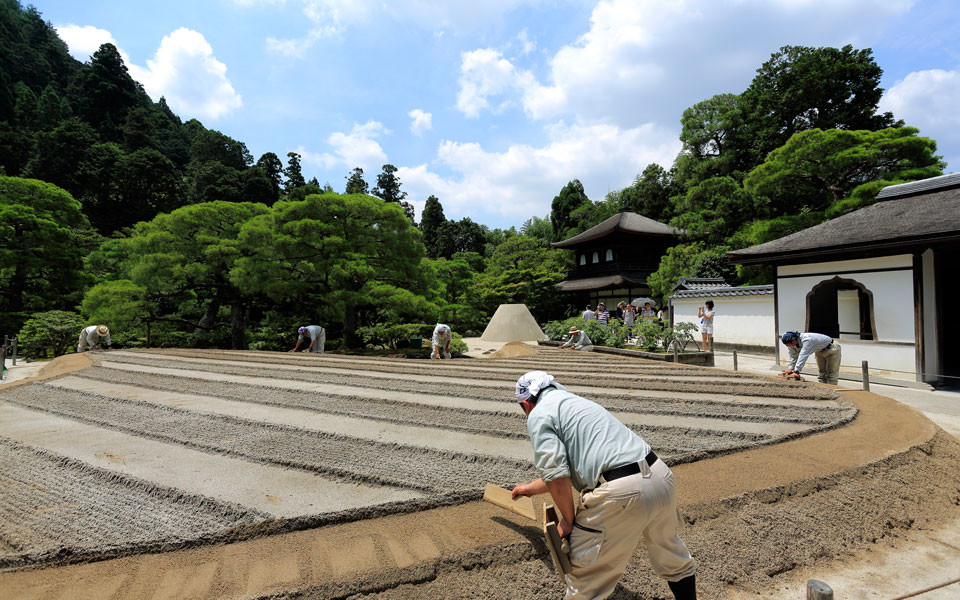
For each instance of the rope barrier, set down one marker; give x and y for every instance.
(929, 589)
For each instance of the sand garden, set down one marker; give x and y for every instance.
(204, 473)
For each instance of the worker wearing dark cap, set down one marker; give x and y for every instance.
(802, 345)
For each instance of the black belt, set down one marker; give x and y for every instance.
(627, 470)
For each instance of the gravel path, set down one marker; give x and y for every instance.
(303, 441)
(51, 506)
(501, 388)
(160, 450)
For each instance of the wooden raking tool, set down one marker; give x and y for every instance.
(523, 506)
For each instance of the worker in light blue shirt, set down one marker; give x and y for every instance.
(578, 340)
(802, 345)
(626, 492)
(317, 336)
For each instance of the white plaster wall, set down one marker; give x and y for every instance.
(892, 306)
(881, 262)
(744, 320)
(898, 361)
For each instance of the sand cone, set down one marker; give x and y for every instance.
(512, 323)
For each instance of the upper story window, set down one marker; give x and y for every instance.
(596, 258)
(583, 259)
(609, 254)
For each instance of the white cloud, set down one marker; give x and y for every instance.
(420, 121)
(185, 71)
(526, 44)
(329, 18)
(647, 60)
(483, 73)
(83, 40)
(522, 180)
(927, 100)
(358, 148)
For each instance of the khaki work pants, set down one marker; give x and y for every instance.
(613, 519)
(828, 362)
(320, 342)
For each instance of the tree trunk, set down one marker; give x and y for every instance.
(350, 339)
(17, 283)
(238, 326)
(210, 315)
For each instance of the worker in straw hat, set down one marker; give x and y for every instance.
(91, 337)
(626, 492)
(578, 340)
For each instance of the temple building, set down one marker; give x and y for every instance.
(614, 259)
(879, 279)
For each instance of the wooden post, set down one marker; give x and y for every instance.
(676, 354)
(734, 360)
(3, 359)
(14, 351)
(866, 376)
(818, 590)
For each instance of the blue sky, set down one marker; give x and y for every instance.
(494, 105)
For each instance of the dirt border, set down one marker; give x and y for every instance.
(55, 368)
(383, 550)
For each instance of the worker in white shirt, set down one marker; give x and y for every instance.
(442, 336)
(802, 345)
(91, 337)
(317, 335)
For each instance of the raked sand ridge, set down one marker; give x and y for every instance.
(263, 473)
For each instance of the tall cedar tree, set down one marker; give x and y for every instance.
(430, 222)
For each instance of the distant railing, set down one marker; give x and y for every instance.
(9, 347)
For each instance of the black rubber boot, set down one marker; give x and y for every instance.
(685, 589)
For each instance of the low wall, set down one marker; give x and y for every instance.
(704, 359)
(740, 321)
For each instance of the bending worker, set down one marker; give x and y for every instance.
(626, 492)
(91, 337)
(578, 340)
(442, 336)
(317, 335)
(802, 345)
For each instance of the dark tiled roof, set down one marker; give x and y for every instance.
(629, 222)
(726, 291)
(898, 222)
(597, 283)
(699, 283)
(918, 187)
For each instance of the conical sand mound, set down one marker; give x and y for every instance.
(512, 323)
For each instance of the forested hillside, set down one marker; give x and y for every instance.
(113, 207)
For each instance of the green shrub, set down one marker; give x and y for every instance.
(614, 334)
(276, 331)
(55, 331)
(394, 336)
(458, 345)
(681, 334)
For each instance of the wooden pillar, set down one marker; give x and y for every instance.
(818, 590)
(734, 360)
